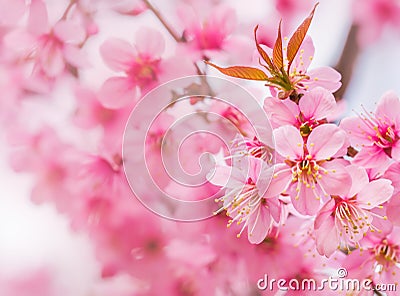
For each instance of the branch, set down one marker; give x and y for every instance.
(163, 21)
(347, 61)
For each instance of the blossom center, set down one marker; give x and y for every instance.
(241, 203)
(306, 171)
(386, 256)
(385, 137)
(352, 220)
(384, 134)
(144, 71)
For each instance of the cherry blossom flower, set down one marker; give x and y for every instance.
(313, 109)
(346, 219)
(142, 66)
(249, 199)
(208, 29)
(309, 172)
(376, 133)
(372, 16)
(52, 48)
(244, 146)
(377, 261)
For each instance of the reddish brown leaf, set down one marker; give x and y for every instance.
(262, 52)
(241, 72)
(298, 36)
(278, 54)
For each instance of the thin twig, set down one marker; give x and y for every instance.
(68, 9)
(163, 21)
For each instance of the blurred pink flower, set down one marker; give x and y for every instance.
(34, 152)
(142, 65)
(377, 261)
(39, 283)
(51, 48)
(373, 15)
(128, 7)
(207, 31)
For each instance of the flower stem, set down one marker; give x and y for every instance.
(163, 22)
(68, 9)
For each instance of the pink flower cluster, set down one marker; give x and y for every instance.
(338, 179)
(326, 195)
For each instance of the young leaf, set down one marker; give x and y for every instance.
(298, 36)
(277, 53)
(241, 72)
(263, 54)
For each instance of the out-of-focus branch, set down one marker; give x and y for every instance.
(347, 60)
(68, 9)
(178, 39)
(158, 15)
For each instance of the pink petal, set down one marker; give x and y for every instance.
(20, 41)
(69, 32)
(325, 77)
(280, 181)
(396, 151)
(224, 18)
(357, 130)
(188, 18)
(149, 42)
(117, 54)
(359, 179)
(281, 112)
(175, 67)
(372, 157)
(317, 104)
(337, 181)
(129, 7)
(117, 92)
(393, 174)
(275, 208)
(324, 213)
(226, 176)
(375, 193)
(259, 224)
(327, 239)
(75, 56)
(51, 59)
(288, 142)
(261, 173)
(384, 225)
(11, 11)
(389, 108)
(38, 22)
(307, 203)
(305, 55)
(325, 140)
(393, 210)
